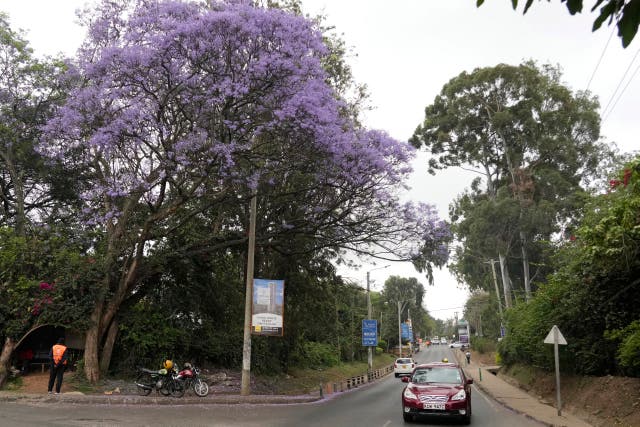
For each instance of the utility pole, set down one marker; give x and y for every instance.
(245, 384)
(401, 305)
(369, 349)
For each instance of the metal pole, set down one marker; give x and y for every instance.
(399, 331)
(557, 360)
(369, 349)
(245, 385)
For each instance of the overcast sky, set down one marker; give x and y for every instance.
(405, 51)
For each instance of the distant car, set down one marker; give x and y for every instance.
(443, 341)
(403, 366)
(456, 344)
(438, 390)
(435, 341)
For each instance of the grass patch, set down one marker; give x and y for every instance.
(302, 381)
(523, 374)
(78, 382)
(13, 384)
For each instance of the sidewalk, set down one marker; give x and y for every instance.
(516, 399)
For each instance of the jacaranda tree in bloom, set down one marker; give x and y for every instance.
(183, 111)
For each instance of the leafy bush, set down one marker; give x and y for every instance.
(629, 347)
(483, 345)
(315, 354)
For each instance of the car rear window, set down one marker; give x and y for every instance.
(403, 361)
(437, 375)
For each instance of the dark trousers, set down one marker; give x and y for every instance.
(56, 373)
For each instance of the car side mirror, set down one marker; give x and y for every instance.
(405, 379)
(469, 380)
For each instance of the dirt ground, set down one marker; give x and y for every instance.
(36, 382)
(601, 401)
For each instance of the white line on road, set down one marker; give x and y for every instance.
(387, 423)
(485, 398)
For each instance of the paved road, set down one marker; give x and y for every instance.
(376, 404)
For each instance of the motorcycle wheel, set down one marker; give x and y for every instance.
(144, 384)
(201, 388)
(176, 388)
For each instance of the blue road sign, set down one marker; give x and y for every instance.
(369, 332)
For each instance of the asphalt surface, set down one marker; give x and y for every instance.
(374, 404)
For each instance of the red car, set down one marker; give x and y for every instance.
(439, 390)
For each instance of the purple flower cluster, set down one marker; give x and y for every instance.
(177, 96)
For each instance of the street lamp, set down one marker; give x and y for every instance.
(369, 349)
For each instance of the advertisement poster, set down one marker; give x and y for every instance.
(268, 307)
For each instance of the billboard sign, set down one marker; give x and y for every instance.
(267, 310)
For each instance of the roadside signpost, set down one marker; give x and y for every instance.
(369, 332)
(555, 337)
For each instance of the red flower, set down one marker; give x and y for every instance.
(627, 176)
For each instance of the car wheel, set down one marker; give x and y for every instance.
(396, 374)
(407, 418)
(466, 420)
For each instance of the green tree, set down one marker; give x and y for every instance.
(593, 294)
(532, 141)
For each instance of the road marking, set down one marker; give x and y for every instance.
(485, 398)
(387, 423)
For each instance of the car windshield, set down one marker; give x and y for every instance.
(437, 375)
(403, 361)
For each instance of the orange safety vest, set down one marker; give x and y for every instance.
(58, 350)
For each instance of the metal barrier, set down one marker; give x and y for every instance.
(355, 381)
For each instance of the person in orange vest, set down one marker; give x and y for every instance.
(58, 356)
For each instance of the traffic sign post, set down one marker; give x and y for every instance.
(555, 337)
(369, 332)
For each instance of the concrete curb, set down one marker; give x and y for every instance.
(96, 399)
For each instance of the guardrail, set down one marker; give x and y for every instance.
(355, 381)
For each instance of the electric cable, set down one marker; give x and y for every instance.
(600, 59)
(621, 93)
(620, 83)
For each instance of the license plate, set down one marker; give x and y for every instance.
(434, 406)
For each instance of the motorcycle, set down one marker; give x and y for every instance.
(190, 378)
(163, 381)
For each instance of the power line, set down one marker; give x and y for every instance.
(620, 83)
(620, 96)
(600, 60)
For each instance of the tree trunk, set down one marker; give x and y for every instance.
(107, 350)
(525, 266)
(505, 281)
(92, 345)
(5, 359)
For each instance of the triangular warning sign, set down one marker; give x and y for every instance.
(554, 336)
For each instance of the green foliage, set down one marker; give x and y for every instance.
(628, 341)
(483, 345)
(593, 295)
(150, 336)
(46, 280)
(314, 354)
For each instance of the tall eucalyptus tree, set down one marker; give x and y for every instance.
(521, 129)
